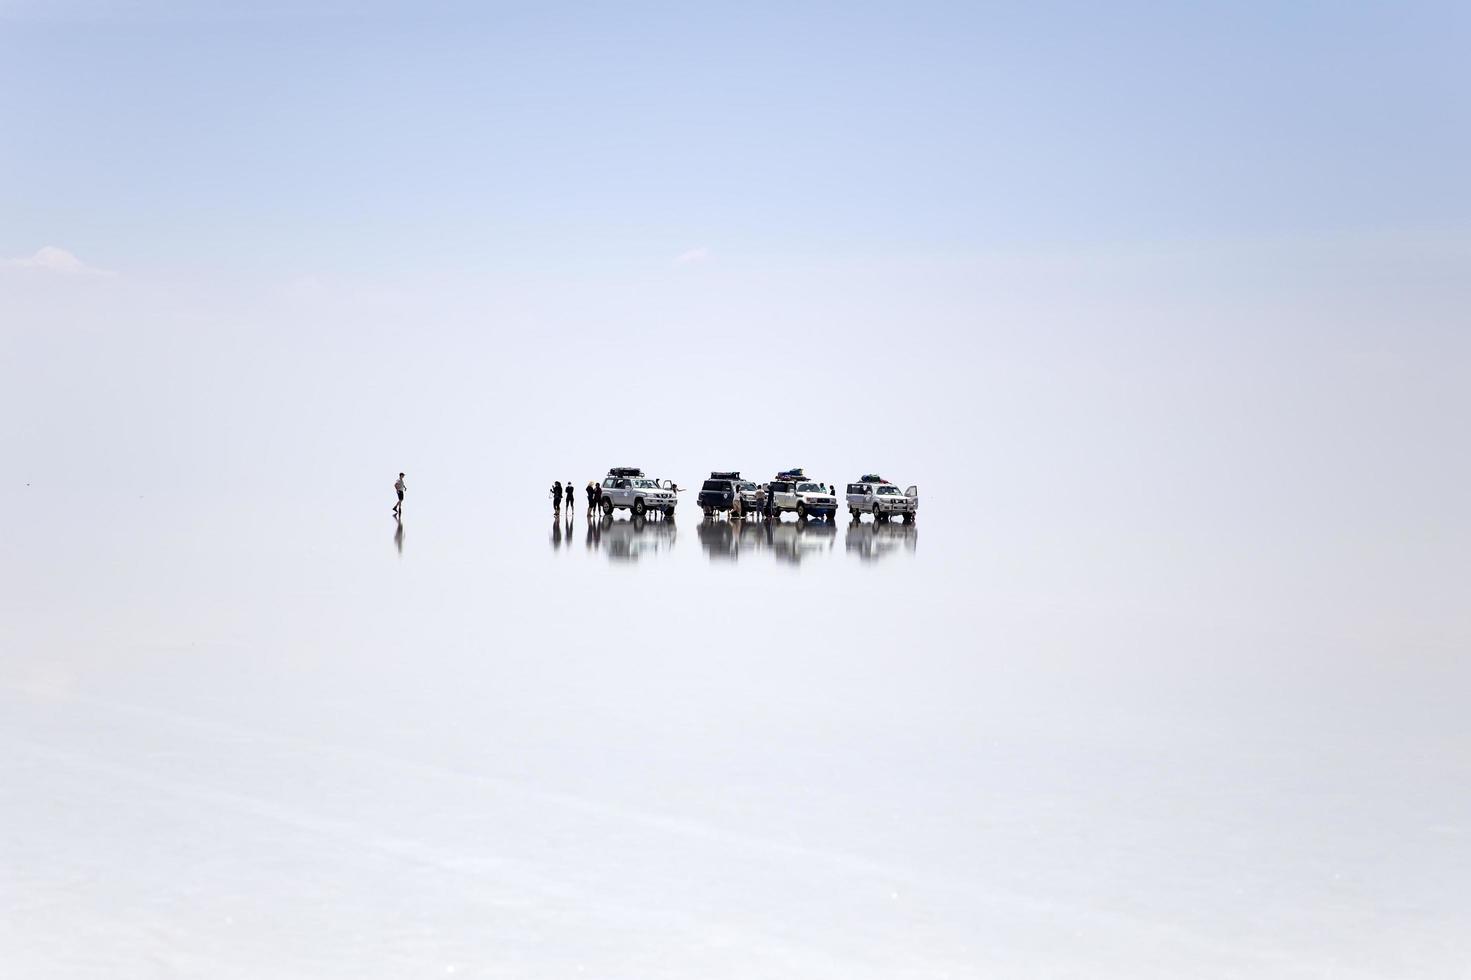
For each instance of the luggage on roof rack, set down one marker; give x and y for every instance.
(791, 475)
(871, 478)
(625, 471)
(725, 474)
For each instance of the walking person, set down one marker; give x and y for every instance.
(557, 497)
(399, 487)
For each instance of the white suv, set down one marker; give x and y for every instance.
(791, 491)
(751, 497)
(629, 489)
(879, 497)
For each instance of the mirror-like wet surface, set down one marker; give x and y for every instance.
(283, 738)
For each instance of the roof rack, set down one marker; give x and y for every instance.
(725, 474)
(791, 475)
(625, 471)
(871, 478)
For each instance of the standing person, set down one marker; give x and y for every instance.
(399, 487)
(557, 497)
(592, 499)
(571, 500)
(597, 496)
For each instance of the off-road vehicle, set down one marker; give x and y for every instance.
(752, 499)
(872, 494)
(626, 488)
(720, 492)
(791, 491)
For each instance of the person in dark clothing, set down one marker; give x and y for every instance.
(557, 497)
(571, 500)
(592, 498)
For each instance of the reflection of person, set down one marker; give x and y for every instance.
(399, 487)
(557, 497)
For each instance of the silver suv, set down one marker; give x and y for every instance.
(877, 496)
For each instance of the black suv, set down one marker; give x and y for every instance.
(719, 492)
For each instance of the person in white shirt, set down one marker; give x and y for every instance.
(400, 486)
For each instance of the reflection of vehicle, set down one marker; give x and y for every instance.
(870, 542)
(874, 495)
(794, 542)
(792, 492)
(627, 488)
(719, 539)
(631, 540)
(731, 540)
(719, 492)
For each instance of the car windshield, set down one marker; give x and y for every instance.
(810, 488)
(646, 484)
(747, 485)
(889, 491)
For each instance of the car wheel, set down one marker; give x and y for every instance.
(801, 513)
(908, 518)
(638, 507)
(607, 507)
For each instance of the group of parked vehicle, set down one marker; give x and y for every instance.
(727, 494)
(791, 492)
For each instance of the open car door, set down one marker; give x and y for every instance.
(912, 492)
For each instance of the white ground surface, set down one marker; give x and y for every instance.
(244, 743)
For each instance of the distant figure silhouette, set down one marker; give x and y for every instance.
(571, 500)
(592, 499)
(399, 486)
(557, 497)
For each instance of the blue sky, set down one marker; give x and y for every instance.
(440, 136)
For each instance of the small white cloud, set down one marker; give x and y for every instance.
(52, 259)
(693, 257)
